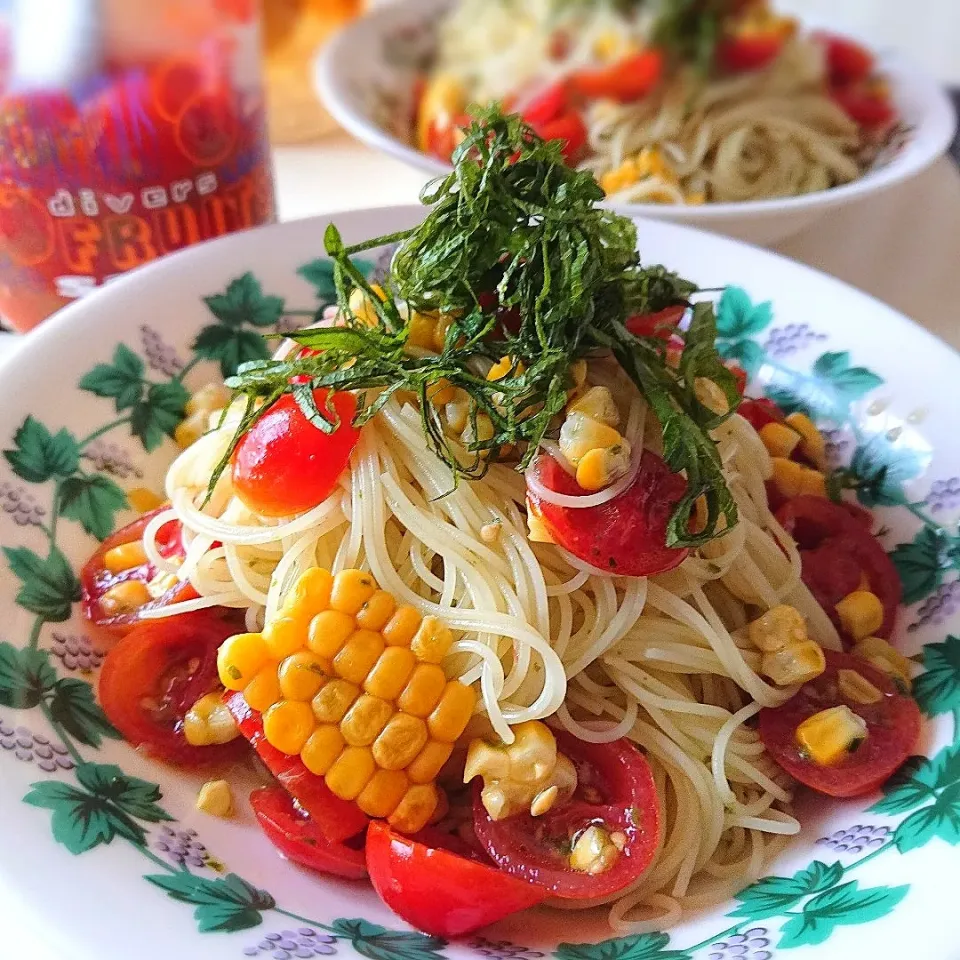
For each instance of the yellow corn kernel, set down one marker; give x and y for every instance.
(361, 305)
(125, 556)
(581, 434)
(457, 414)
(209, 722)
(420, 330)
(651, 162)
(358, 656)
(213, 396)
(390, 673)
(143, 500)
(161, 583)
(794, 663)
(601, 467)
(429, 761)
(597, 404)
(450, 716)
(432, 641)
(537, 530)
(400, 742)
(813, 444)
(333, 700)
(779, 439)
(328, 632)
(443, 98)
(887, 659)
(365, 720)
(123, 598)
(860, 613)
(285, 636)
(376, 611)
(441, 393)
(351, 772)
(779, 626)
(263, 690)
(351, 590)
(480, 432)
(287, 725)
(613, 181)
(814, 484)
(423, 690)
(788, 476)
(578, 373)
(416, 808)
(322, 748)
(830, 735)
(856, 688)
(443, 324)
(593, 851)
(385, 790)
(503, 367)
(487, 761)
(401, 627)
(533, 754)
(310, 595)
(216, 798)
(240, 659)
(302, 675)
(190, 430)
(696, 198)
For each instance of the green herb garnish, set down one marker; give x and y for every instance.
(513, 230)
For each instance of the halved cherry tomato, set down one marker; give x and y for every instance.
(847, 61)
(758, 413)
(336, 819)
(568, 128)
(866, 105)
(284, 465)
(156, 673)
(737, 54)
(547, 105)
(837, 549)
(625, 535)
(662, 324)
(443, 138)
(615, 790)
(292, 831)
(438, 891)
(893, 726)
(740, 375)
(630, 79)
(96, 580)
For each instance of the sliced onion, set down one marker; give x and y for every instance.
(589, 500)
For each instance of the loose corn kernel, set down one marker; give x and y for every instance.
(351, 590)
(478, 433)
(887, 659)
(533, 754)
(328, 632)
(778, 627)
(443, 98)
(545, 801)
(450, 716)
(416, 808)
(358, 655)
(601, 467)
(124, 557)
(593, 851)
(429, 761)
(333, 700)
(441, 393)
(285, 636)
(191, 429)
(487, 761)
(597, 404)
(537, 530)
(814, 484)
(420, 330)
(813, 445)
(215, 798)
(143, 500)
(779, 439)
(581, 434)
(383, 793)
(432, 641)
(351, 772)
(578, 373)
(123, 598)
(240, 658)
(423, 690)
(361, 305)
(401, 627)
(860, 613)
(390, 673)
(788, 476)
(457, 414)
(287, 725)
(365, 720)
(696, 198)
(209, 722)
(490, 532)
(652, 163)
(376, 611)
(830, 735)
(857, 688)
(503, 367)
(400, 742)
(613, 181)
(310, 595)
(161, 583)
(794, 663)
(324, 745)
(212, 397)
(302, 675)
(263, 690)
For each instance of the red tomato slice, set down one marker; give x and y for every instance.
(740, 375)
(437, 891)
(893, 726)
(625, 535)
(156, 673)
(847, 61)
(662, 324)
(758, 413)
(292, 831)
(615, 789)
(570, 129)
(738, 54)
(836, 549)
(630, 79)
(866, 106)
(284, 465)
(96, 580)
(336, 819)
(547, 105)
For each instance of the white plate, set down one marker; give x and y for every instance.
(366, 76)
(886, 885)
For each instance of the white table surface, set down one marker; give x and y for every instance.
(904, 248)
